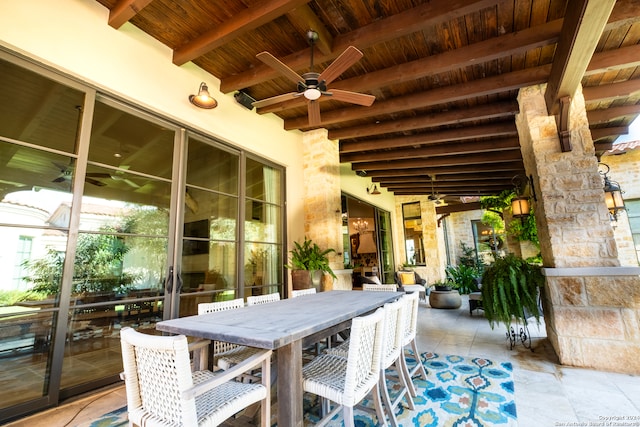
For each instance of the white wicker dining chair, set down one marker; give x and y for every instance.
(299, 292)
(409, 342)
(162, 391)
(226, 355)
(394, 330)
(346, 381)
(379, 288)
(263, 299)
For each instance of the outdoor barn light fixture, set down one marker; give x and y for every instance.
(373, 190)
(521, 204)
(612, 193)
(203, 99)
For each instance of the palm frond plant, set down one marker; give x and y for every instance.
(510, 290)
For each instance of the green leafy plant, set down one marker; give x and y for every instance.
(463, 277)
(510, 289)
(309, 256)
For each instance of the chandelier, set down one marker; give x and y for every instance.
(360, 225)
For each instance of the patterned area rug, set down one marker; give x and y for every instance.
(458, 392)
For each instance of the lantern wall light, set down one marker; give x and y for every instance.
(612, 192)
(521, 204)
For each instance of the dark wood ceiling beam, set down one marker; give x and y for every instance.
(441, 187)
(603, 146)
(382, 170)
(471, 191)
(402, 24)
(124, 10)
(304, 19)
(449, 135)
(611, 91)
(434, 150)
(617, 59)
(583, 24)
(446, 177)
(608, 114)
(470, 159)
(478, 53)
(441, 210)
(611, 131)
(242, 22)
(480, 112)
(488, 86)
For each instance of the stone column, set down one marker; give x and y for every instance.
(592, 306)
(322, 206)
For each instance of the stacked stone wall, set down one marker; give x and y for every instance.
(593, 317)
(322, 206)
(591, 304)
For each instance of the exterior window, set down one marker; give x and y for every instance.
(23, 253)
(413, 242)
(633, 213)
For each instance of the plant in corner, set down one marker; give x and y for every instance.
(305, 259)
(510, 289)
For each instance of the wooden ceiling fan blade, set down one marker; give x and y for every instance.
(350, 56)
(279, 66)
(314, 113)
(352, 97)
(95, 182)
(276, 99)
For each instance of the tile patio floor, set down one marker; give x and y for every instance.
(547, 394)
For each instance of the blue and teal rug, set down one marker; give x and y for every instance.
(459, 392)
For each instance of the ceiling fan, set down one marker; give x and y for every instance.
(313, 85)
(66, 173)
(434, 196)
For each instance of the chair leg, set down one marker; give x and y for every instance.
(382, 420)
(419, 367)
(404, 371)
(386, 399)
(405, 386)
(347, 413)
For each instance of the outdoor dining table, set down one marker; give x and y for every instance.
(286, 326)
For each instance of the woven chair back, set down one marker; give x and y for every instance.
(157, 371)
(379, 288)
(365, 352)
(263, 299)
(300, 292)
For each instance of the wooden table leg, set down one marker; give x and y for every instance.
(289, 391)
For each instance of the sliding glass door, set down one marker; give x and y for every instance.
(112, 217)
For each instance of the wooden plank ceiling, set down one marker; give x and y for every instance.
(445, 74)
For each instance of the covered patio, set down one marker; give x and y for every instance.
(546, 392)
(469, 94)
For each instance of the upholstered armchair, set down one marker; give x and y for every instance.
(410, 281)
(409, 277)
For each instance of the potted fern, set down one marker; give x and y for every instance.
(307, 260)
(510, 290)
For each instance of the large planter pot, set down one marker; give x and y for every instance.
(445, 299)
(301, 279)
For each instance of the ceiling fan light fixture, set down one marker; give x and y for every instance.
(203, 99)
(312, 94)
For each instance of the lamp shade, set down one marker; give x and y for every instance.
(367, 245)
(613, 197)
(203, 99)
(520, 207)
